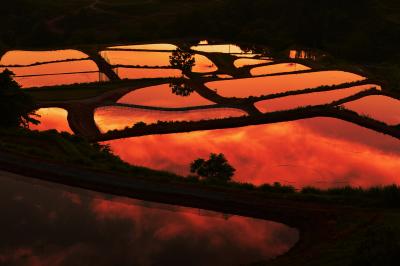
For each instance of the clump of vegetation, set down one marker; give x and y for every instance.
(183, 60)
(277, 188)
(16, 107)
(216, 169)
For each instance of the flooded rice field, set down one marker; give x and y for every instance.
(67, 226)
(297, 150)
(299, 153)
(242, 88)
(111, 118)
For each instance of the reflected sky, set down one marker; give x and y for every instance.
(61, 73)
(315, 98)
(219, 48)
(51, 225)
(31, 57)
(162, 96)
(249, 62)
(259, 86)
(299, 153)
(64, 79)
(110, 118)
(278, 68)
(52, 118)
(140, 73)
(154, 59)
(378, 107)
(155, 46)
(55, 68)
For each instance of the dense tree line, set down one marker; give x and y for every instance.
(360, 30)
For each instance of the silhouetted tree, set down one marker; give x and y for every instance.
(183, 60)
(16, 107)
(215, 169)
(180, 88)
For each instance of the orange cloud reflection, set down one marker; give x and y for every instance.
(258, 86)
(321, 152)
(52, 118)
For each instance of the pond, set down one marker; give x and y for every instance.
(310, 152)
(111, 118)
(308, 99)
(379, 107)
(278, 68)
(162, 96)
(31, 57)
(49, 224)
(153, 46)
(243, 88)
(60, 79)
(60, 73)
(141, 73)
(219, 48)
(154, 59)
(52, 118)
(249, 62)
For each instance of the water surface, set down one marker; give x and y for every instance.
(60, 79)
(140, 73)
(52, 118)
(154, 59)
(162, 96)
(242, 88)
(321, 152)
(111, 118)
(31, 57)
(54, 225)
(219, 48)
(249, 62)
(308, 99)
(379, 107)
(55, 68)
(154, 46)
(278, 68)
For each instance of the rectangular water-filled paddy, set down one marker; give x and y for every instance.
(54, 68)
(140, 73)
(249, 62)
(219, 48)
(66, 226)
(118, 118)
(243, 88)
(63, 79)
(299, 153)
(31, 57)
(163, 96)
(378, 107)
(308, 99)
(278, 68)
(154, 59)
(154, 46)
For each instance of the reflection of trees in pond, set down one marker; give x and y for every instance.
(215, 169)
(181, 88)
(182, 59)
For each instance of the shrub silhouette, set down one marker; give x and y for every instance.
(215, 169)
(183, 60)
(16, 107)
